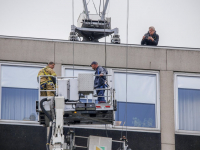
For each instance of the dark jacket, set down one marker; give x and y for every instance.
(150, 42)
(100, 81)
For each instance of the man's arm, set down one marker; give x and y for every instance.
(40, 73)
(143, 41)
(155, 41)
(102, 71)
(53, 72)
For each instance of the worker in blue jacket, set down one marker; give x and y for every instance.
(100, 80)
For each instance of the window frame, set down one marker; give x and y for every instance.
(128, 128)
(20, 64)
(176, 114)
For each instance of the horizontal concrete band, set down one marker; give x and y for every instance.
(151, 58)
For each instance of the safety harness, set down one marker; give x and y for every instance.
(44, 84)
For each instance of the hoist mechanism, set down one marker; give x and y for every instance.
(92, 27)
(75, 103)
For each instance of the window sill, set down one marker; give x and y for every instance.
(186, 132)
(19, 122)
(101, 127)
(119, 128)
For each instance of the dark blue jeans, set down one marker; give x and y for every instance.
(101, 93)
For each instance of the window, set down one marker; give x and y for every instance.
(19, 92)
(187, 102)
(141, 107)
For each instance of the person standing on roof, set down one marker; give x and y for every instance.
(150, 38)
(47, 83)
(100, 80)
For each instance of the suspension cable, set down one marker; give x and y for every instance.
(73, 25)
(104, 37)
(105, 54)
(127, 60)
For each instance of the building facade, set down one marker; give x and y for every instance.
(157, 88)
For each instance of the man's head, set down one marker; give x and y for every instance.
(51, 65)
(151, 30)
(94, 65)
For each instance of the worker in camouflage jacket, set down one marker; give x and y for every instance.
(100, 80)
(47, 83)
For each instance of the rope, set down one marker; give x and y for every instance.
(54, 53)
(105, 52)
(105, 37)
(73, 24)
(127, 60)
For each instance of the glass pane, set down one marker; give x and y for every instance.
(138, 114)
(189, 104)
(188, 82)
(19, 77)
(19, 104)
(141, 99)
(141, 88)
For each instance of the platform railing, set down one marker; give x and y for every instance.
(109, 90)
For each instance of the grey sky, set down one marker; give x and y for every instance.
(176, 21)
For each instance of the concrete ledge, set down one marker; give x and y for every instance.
(26, 50)
(63, 53)
(116, 56)
(139, 57)
(183, 60)
(85, 54)
(147, 58)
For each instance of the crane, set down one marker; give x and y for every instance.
(92, 27)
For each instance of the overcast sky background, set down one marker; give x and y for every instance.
(176, 21)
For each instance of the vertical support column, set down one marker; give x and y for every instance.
(0, 91)
(167, 110)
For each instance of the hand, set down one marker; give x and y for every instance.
(101, 75)
(150, 38)
(143, 37)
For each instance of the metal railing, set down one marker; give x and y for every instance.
(107, 96)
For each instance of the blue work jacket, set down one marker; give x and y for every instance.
(100, 81)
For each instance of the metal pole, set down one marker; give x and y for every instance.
(56, 86)
(85, 9)
(39, 92)
(104, 10)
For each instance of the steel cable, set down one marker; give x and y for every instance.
(73, 25)
(127, 60)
